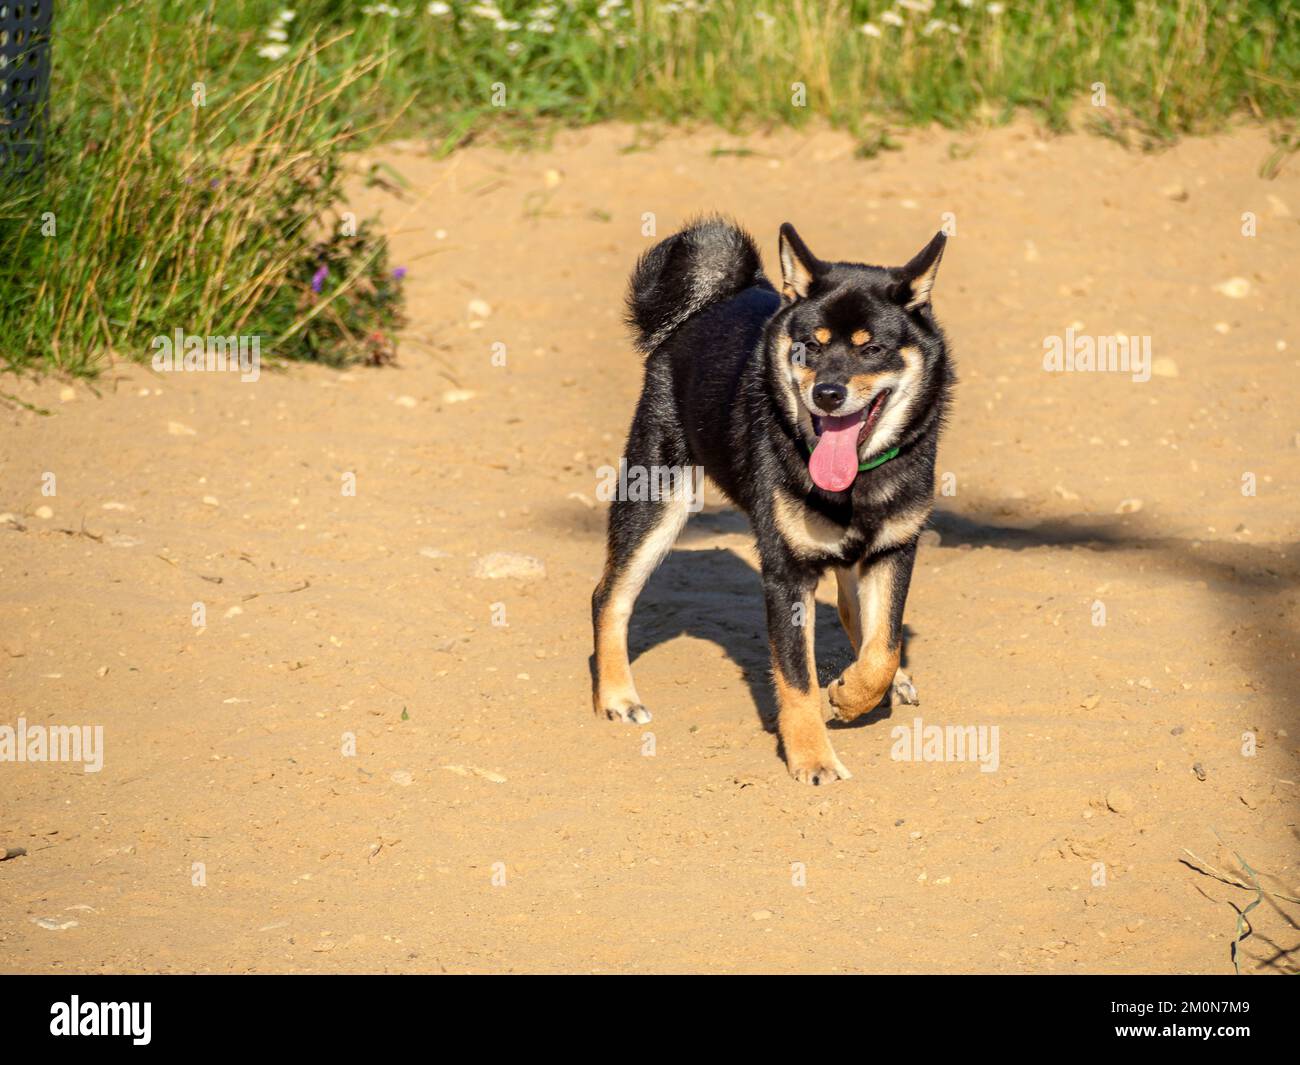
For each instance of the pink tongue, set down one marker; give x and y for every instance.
(834, 461)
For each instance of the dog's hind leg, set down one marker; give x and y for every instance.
(641, 533)
(846, 581)
(881, 595)
(846, 587)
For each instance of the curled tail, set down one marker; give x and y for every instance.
(707, 262)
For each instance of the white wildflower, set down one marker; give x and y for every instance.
(870, 29)
(438, 9)
(921, 6)
(286, 15)
(275, 33)
(381, 9)
(273, 51)
(892, 18)
(994, 9)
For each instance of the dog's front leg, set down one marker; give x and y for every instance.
(881, 596)
(791, 618)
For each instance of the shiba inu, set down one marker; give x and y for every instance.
(817, 409)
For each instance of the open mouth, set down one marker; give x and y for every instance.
(833, 464)
(839, 423)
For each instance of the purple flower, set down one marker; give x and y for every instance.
(399, 273)
(318, 279)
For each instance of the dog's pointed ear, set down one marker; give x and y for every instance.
(916, 279)
(799, 266)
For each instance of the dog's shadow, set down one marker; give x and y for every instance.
(714, 594)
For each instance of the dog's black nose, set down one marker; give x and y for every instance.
(828, 397)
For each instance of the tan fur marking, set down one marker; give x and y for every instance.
(860, 337)
(796, 278)
(614, 689)
(863, 386)
(863, 684)
(922, 285)
(808, 750)
(822, 335)
(806, 531)
(782, 367)
(904, 398)
(900, 529)
(846, 588)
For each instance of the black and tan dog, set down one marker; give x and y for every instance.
(817, 410)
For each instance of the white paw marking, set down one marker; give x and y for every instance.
(631, 715)
(904, 690)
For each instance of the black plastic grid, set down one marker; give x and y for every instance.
(24, 81)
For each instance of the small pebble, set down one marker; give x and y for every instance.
(506, 565)
(1235, 288)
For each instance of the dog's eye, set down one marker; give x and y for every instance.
(872, 351)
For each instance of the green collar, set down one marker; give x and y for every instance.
(879, 460)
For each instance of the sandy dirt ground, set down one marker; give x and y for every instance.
(487, 821)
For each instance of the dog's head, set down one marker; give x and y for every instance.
(857, 356)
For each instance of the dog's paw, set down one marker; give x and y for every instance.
(635, 714)
(904, 690)
(846, 700)
(818, 770)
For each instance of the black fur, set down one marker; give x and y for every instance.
(705, 263)
(712, 327)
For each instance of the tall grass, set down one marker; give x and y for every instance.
(174, 199)
(1169, 66)
(217, 218)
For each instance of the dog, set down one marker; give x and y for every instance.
(817, 410)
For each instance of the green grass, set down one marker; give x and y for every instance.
(214, 219)
(1170, 67)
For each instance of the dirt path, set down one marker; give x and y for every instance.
(329, 614)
